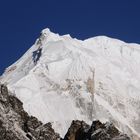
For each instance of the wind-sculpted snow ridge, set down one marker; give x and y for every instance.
(60, 79)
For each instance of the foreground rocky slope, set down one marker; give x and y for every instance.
(16, 124)
(79, 130)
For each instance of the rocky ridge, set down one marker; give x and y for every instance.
(79, 130)
(16, 124)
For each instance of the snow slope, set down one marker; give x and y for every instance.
(60, 79)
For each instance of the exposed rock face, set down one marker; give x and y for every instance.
(79, 130)
(16, 124)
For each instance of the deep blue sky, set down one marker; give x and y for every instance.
(22, 20)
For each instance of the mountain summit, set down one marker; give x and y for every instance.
(60, 79)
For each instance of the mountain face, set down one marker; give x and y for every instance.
(60, 79)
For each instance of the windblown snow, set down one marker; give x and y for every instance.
(60, 79)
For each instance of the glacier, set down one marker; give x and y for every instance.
(60, 79)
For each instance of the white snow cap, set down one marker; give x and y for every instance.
(56, 78)
(46, 31)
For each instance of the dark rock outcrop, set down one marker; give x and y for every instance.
(79, 130)
(16, 124)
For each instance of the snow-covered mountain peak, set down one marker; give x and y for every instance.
(60, 79)
(46, 31)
